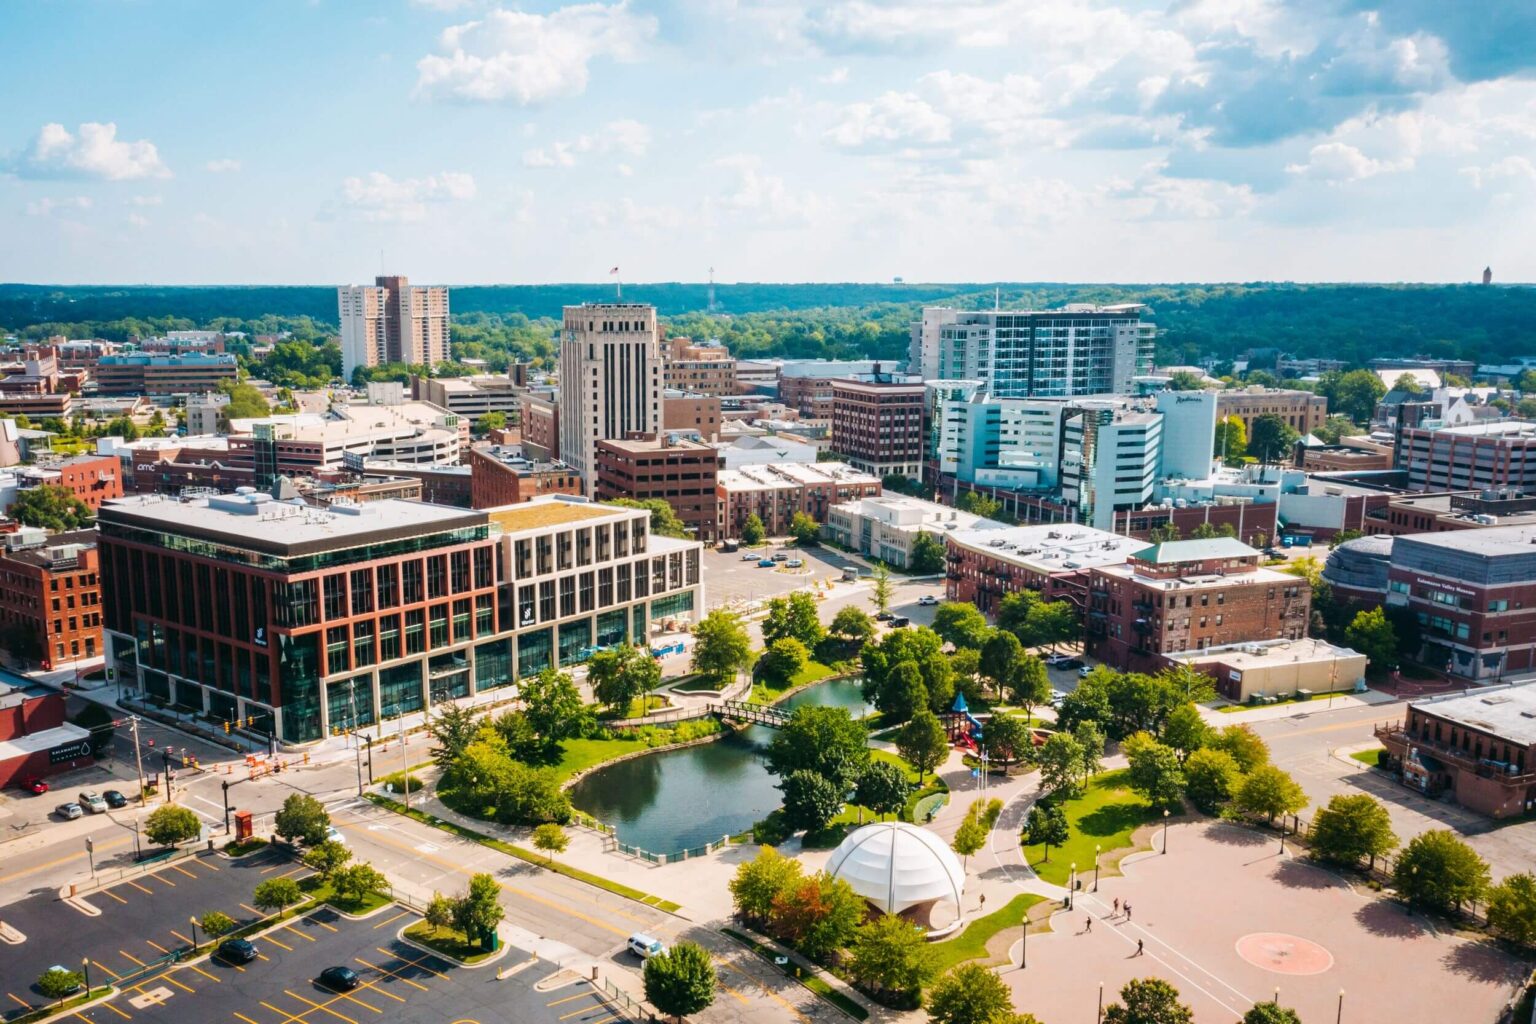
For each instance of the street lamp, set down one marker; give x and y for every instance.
(1024, 942)
(1165, 830)
(1100, 1017)
(194, 935)
(1072, 887)
(1339, 1018)
(1097, 848)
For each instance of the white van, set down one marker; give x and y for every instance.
(644, 946)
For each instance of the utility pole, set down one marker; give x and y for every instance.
(138, 758)
(357, 749)
(405, 762)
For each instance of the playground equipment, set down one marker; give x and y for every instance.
(963, 728)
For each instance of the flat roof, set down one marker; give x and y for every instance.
(1492, 542)
(551, 510)
(1197, 581)
(23, 746)
(1509, 713)
(1174, 551)
(1269, 653)
(1050, 547)
(766, 476)
(255, 521)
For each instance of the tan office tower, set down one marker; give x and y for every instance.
(391, 321)
(610, 380)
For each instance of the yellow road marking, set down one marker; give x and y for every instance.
(61, 860)
(173, 981)
(20, 1000)
(204, 862)
(157, 945)
(291, 930)
(114, 895)
(176, 867)
(109, 970)
(167, 881)
(204, 973)
(180, 936)
(359, 1002)
(578, 995)
(295, 871)
(247, 906)
(405, 960)
(281, 945)
(115, 1010)
(566, 910)
(381, 924)
(136, 885)
(322, 924)
(274, 867)
(605, 1020)
(84, 1017)
(319, 1006)
(135, 959)
(578, 1013)
(245, 1018)
(375, 986)
(282, 1013)
(390, 974)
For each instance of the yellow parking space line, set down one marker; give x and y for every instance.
(381, 924)
(175, 867)
(114, 895)
(295, 871)
(413, 963)
(389, 974)
(167, 881)
(287, 1017)
(109, 970)
(115, 1010)
(204, 973)
(204, 862)
(375, 987)
(605, 1020)
(319, 1006)
(157, 945)
(278, 943)
(322, 924)
(245, 1018)
(20, 1000)
(291, 930)
(274, 867)
(567, 910)
(247, 906)
(180, 936)
(84, 1017)
(567, 999)
(130, 956)
(136, 885)
(578, 1013)
(185, 988)
(359, 1002)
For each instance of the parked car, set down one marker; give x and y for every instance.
(114, 799)
(34, 785)
(728, 546)
(69, 811)
(333, 835)
(1054, 660)
(65, 970)
(342, 979)
(795, 563)
(779, 556)
(645, 947)
(1066, 663)
(927, 600)
(749, 556)
(1084, 671)
(900, 620)
(237, 951)
(92, 802)
(1057, 696)
(766, 563)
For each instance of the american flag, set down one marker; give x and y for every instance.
(615, 270)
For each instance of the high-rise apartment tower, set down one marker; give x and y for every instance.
(392, 321)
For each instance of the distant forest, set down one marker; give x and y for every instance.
(502, 322)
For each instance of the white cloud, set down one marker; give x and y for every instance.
(630, 138)
(1340, 162)
(1154, 196)
(145, 201)
(93, 151)
(1510, 168)
(222, 166)
(893, 118)
(46, 206)
(837, 76)
(138, 220)
(763, 199)
(530, 58)
(442, 5)
(379, 197)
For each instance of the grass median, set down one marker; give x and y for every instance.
(449, 942)
(971, 944)
(1104, 816)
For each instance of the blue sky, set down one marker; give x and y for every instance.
(460, 141)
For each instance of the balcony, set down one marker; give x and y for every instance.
(1461, 759)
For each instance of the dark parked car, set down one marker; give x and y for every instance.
(237, 951)
(114, 799)
(342, 979)
(900, 620)
(1069, 663)
(886, 616)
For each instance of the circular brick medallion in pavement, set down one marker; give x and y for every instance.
(1284, 954)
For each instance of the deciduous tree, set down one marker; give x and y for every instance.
(1438, 870)
(1148, 1001)
(326, 858)
(961, 624)
(1351, 828)
(891, 955)
(758, 881)
(276, 894)
(1155, 771)
(923, 743)
(1512, 908)
(1047, 826)
(883, 788)
(752, 531)
(172, 824)
(721, 646)
(1211, 776)
(970, 994)
(680, 981)
(619, 675)
(825, 741)
(1269, 791)
(810, 800)
(794, 616)
(785, 658)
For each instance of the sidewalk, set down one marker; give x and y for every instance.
(1268, 712)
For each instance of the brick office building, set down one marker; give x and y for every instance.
(50, 597)
(503, 476)
(1442, 513)
(146, 374)
(540, 426)
(91, 478)
(1303, 411)
(1480, 747)
(681, 472)
(313, 621)
(701, 369)
(1187, 596)
(1054, 559)
(1478, 456)
(35, 740)
(775, 492)
(877, 425)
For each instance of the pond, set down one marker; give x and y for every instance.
(679, 799)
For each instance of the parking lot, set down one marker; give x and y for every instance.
(136, 923)
(729, 577)
(397, 981)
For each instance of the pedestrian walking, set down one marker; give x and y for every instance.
(1140, 948)
(1117, 907)
(1127, 910)
(1088, 924)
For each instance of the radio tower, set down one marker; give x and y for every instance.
(711, 306)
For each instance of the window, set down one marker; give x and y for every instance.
(1498, 606)
(336, 650)
(485, 615)
(524, 554)
(389, 637)
(623, 572)
(362, 643)
(362, 592)
(438, 634)
(584, 584)
(461, 619)
(482, 568)
(388, 579)
(411, 576)
(563, 550)
(415, 632)
(605, 587)
(437, 576)
(525, 613)
(460, 561)
(336, 596)
(567, 596)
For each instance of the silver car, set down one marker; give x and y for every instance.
(68, 811)
(92, 802)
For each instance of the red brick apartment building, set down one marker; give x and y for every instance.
(681, 472)
(877, 425)
(50, 598)
(1481, 747)
(1189, 595)
(502, 476)
(1054, 559)
(540, 426)
(91, 478)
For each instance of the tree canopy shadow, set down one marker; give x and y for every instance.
(1237, 835)
(1486, 961)
(1386, 918)
(1300, 874)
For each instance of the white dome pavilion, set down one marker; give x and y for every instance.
(897, 866)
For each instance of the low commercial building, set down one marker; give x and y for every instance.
(806, 385)
(689, 412)
(470, 397)
(50, 597)
(144, 373)
(91, 478)
(203, 413)
(411, 432)
(752, 450)
(886, 526)
(1483, 456)
(502, 475)
(1302, 411)
(1053, 559)
(440, 485)
(704, 369)
(314, 621)
(1480, 747)
(682, 472)
(1276, 668)
(35, 740)
(1445, 512)
(776, 492)
(1187, 596)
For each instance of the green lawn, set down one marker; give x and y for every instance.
(642, 706)
(321, 892)
(1370, 757)
(1228, 709)
(1105, 815)
(580, 755)
(765, 693)
(971, 944)
(849, 819)
(450, 942)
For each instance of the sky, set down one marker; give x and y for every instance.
(459, 141)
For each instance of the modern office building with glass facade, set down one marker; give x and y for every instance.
(310, 621)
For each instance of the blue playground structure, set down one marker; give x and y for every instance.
(963, 727)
